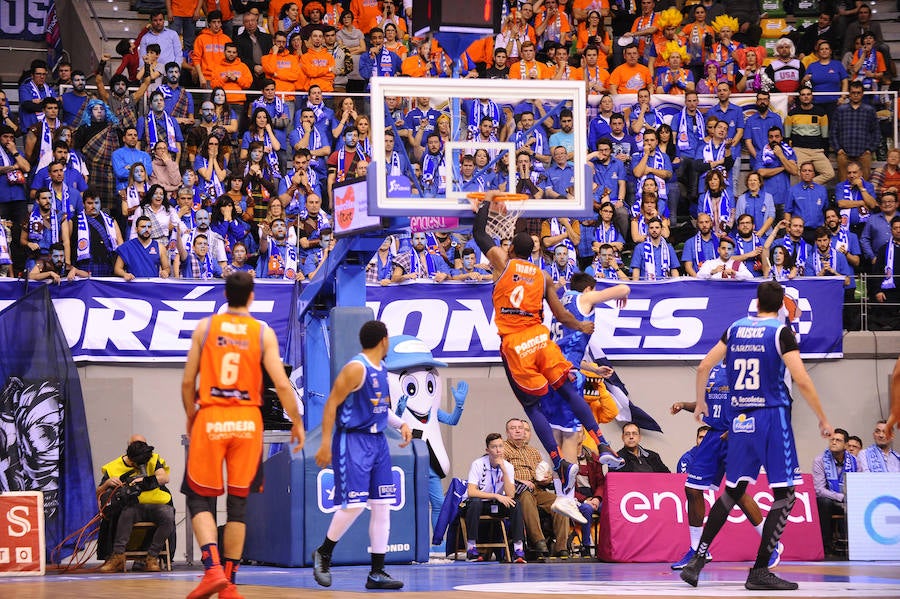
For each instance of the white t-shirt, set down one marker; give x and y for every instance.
(490, 479)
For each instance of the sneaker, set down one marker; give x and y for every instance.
(474, 556)
(568, 507)
(586, 551)
(690, 573)
(321, 568)
(775, 558)
(610, 458)
(760, 579)
(519, 557)
(708, 556)
(213, 581)
(382, 580)
(567, 472)
(230, 592)
(562, 554)
(680, 564)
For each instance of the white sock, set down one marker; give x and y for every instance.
(696, 533)
(470, 545)
(518, 546)
(759, 527)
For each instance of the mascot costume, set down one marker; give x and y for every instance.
(416, 397)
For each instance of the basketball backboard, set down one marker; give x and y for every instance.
(442, 187)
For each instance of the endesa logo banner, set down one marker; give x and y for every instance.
(667, 320)
(644, 519)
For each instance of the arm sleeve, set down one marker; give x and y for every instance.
(484, 241)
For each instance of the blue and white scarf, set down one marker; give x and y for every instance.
(213, 186)
(606, 234)
(700, 255)
(832, 476)
(745, 246)
(36, 224)
(428, 269)
(153, 132)
(479, 112)
(800, 255)
(698, 129)
(195, 269)
(818, 263)
(875, 459)
(850, 194)
(565, 275)
(271, 157)
(888, 282)
(719, 211)
(282, 258)
(83, 248)
(650, 259)
(260, 102)
(655, 161)
(651, 118)
(556, 230)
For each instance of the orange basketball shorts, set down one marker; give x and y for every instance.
(229, 434)
(532, 360)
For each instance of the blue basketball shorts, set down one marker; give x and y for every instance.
(558, 412)
(708, 467)
(362, 468)
(762, 438)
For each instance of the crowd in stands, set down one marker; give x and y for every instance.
(251, 175)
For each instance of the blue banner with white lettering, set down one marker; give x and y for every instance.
(31, 20)
(150, 320)
(114, 320)
(665, 320)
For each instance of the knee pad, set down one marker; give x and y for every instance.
(236, 508)
(197, 504)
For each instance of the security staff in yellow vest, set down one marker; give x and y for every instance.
(142, 470)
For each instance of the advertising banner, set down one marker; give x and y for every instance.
(644, 519)
(873, 515)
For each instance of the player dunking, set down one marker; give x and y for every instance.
(533, 362)
(229, 351)
(756, 351)
(360, 405)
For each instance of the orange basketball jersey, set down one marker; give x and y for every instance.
(518, 297)
(231, 362)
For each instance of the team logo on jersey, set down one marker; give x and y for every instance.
(744, 424)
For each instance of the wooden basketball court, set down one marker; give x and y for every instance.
(460, 580)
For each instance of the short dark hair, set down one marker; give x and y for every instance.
(854, 438)
(844, 433)
(821, 232)
(238, 287)
(49, 100)
(705, 427)
(371, 333)
(581, 281)
(522, 244)
(57, 247)
(492, 437)
(213, 15)
(770, 296)
(468, 252)
(171, 64)
(154, 48)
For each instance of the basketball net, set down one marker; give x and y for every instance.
(502, 218)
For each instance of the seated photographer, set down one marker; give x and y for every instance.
(133, 490)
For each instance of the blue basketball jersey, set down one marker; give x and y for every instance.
(572, 342)
(755, 368)
(717, 399)
(366, 408)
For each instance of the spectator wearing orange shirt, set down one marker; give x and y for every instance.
(528, 67)
(209, 48)
(317, 63)
(593, 33)
(232, 75)
(283, 67)
(631, 76)
(564, 71)
(596, 76)
(182, 14)
(552, 24)
(367, 13)
(582, 9)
